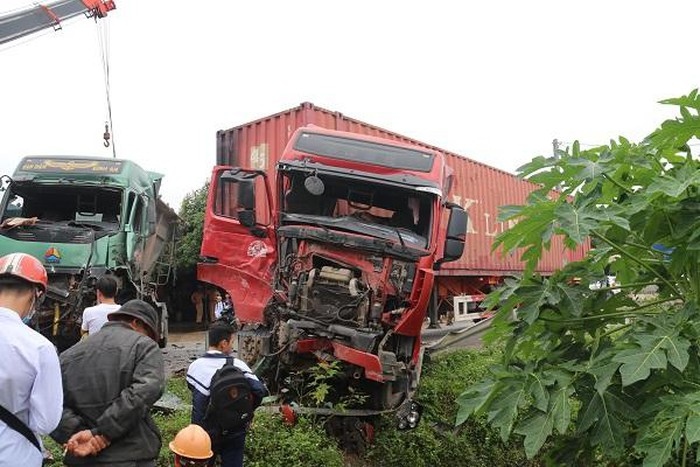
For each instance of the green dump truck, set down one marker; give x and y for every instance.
(85, 217)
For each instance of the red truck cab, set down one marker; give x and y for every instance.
(332, 257)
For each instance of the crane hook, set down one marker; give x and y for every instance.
(106, 135)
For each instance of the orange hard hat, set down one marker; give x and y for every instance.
(192, 442)
(25, 267)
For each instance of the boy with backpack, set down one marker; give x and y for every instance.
(225, 393)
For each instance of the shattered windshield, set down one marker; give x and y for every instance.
(97, 208)
(400, 215)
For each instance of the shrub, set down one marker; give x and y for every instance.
(270, 443)
(437, 441)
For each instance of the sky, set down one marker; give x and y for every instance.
(494, 81)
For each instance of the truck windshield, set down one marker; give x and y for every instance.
(401, 215)
(95, 207)
(364, 151)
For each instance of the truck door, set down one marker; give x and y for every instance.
(238, 243)
(134, 227)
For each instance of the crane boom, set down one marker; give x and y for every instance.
(38, 17)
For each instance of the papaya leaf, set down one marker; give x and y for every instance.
(572, 298)
(603, 375)
(536, 429)
(473, 400)
(590, 169)
(692, 427)
(676, 350)
(560, 408)
(658, 440)
(638, 362)
(626, 355)
(674, 186)
(691, 100)
(504, 406)
(606, 416)
(539, 393)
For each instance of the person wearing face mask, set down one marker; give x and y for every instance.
(31, 398)
(110, 382)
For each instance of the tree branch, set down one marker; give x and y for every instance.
(637, 261)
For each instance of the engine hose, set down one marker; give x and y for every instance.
(60, 319)
(274, 354)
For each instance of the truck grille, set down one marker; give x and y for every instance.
(62, 235)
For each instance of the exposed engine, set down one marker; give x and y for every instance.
(334, 295)
(322, 288)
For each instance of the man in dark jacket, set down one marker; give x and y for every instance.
(110, 382)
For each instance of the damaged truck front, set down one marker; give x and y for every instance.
(333, 262)
(84, 218)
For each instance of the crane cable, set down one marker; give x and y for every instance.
(103, 39)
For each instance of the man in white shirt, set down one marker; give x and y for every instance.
(94, 317)
(199, 377)
(31, 398)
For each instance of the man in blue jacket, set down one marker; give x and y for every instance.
(199, 377)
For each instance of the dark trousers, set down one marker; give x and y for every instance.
(124, 464)
(135, 464)
(231, 451)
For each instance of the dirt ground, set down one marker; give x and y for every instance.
(182, 349)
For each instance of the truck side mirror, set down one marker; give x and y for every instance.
(5, 181)
(237, 192)
(246, 201)
(456, 234)
(243, 183)
(246, 217)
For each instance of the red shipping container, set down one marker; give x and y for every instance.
(479, 188)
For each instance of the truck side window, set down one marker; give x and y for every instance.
(14, 207)
(233, 198)
(129, 206)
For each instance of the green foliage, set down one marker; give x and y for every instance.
(604, 375)
(271, 443)
(192, 215)
(320, 386)
(55, 449)
(178, 386)
(169, 425)
(437, 441)
(315, 387)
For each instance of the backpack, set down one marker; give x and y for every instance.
(230, 403)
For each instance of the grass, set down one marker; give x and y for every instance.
(168, 423)
(435, 442)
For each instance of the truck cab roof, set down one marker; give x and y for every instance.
(58, 169)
